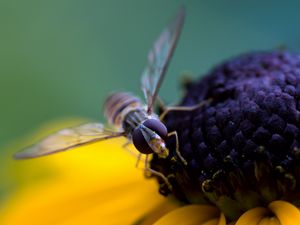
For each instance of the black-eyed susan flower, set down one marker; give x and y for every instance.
(242, 150)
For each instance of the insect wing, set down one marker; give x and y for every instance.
(67, 139)
(159, 57)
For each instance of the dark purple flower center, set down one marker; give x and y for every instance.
(243, 147)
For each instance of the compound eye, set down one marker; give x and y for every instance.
(139, 142)
(157, 126)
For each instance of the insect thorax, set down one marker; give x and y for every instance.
(133, 119)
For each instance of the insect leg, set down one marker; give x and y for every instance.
(138, 160)
(156, 173)
(177, 147)
(183, 108)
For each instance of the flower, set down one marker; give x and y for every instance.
(241, 148)
(98, 184)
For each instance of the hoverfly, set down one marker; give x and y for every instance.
(131, 118)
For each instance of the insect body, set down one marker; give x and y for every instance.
(132, 119)
(146, 131)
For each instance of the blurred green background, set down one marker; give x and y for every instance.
(60, 58)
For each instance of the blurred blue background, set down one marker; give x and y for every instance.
(61, 58)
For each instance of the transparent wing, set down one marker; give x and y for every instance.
(67, 139)
(159, 57)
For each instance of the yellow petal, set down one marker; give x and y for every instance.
(160, 210)
(269, 221)
(190, 215)
(216, 221)
(211, 222)
(252, 217)
(286, 213)
(94, 184)
(82, 204)
(222, 220)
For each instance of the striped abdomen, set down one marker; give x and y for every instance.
(118, 105)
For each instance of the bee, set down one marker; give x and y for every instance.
(130, 117)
